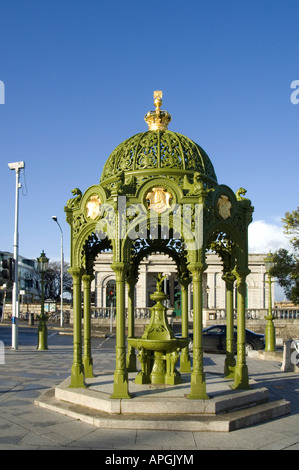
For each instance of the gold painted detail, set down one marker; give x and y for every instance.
(224, 207)
(93, 207)
(159, 200)
(158, 119)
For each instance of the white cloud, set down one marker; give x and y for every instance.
(263, 237)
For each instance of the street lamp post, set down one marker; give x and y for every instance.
(270, 328)
(61, 271)
(17, 166)
(42, 327)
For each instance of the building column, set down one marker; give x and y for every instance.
(198, 381)
(120, 389)
(230, 362)
(241, 379)
(77, 374)
(185, 363)
(131, 355)
(143, 280)
(87, 359)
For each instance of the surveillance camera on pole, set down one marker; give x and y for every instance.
(17, 166)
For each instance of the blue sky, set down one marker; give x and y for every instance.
(79, 77)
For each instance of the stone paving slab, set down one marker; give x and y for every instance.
(24, 425)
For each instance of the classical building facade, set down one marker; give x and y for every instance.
(214, 292)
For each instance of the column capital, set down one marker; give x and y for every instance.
(75, 272)
(229, 277)
(184, 280)
(87, 277)
(131, 280)
(197, 267)
(118, 265)
(120, 269)
(241, 274)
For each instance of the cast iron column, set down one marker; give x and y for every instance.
(87, 359)
(270, 328)
(131, 356)
(77, 374)
(230, 362)
(185, 364)
(198, 381)
(241, 380)
(42, 331)
(120, 389)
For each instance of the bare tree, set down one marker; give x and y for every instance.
(53, 281)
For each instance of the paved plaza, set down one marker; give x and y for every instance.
(27, 373)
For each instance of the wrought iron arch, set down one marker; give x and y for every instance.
(92, 247)
(174, 248)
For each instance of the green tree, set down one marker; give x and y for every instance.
(286, 268)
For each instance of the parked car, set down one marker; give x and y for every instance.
(214, 339)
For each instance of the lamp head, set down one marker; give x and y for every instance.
(269, 262)
(42, 262)
(54, 218)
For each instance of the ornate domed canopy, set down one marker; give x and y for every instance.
(158, 152)
(159, 193)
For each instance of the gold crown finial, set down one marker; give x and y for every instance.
(157, 120)
(158, 99)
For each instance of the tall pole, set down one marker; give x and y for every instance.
(270, 328)
(42, 331)
(17, 166)
(61, 272)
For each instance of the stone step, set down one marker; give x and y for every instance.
(258, 414)
(224, 422)
(159, 401)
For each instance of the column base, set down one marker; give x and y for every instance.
(173, 379)
(131, 360)
(120, 389)
(198, 387)
(241, 379)
(77, 377)
(142, 378)
(88, 368)
(42, 337)
(185, 362)
(270, 342)
(229, 366)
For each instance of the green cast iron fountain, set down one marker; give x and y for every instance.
(158, 347)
